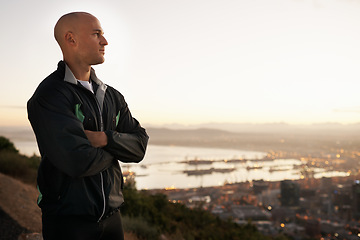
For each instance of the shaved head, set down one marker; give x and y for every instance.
(80, 37)
(69, 23)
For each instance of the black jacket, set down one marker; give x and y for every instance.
(75, 178)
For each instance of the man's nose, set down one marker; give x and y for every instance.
(103, 41)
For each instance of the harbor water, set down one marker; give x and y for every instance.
(192, 167)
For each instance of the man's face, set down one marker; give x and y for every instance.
(90, 41)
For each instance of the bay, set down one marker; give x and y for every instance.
(193, 167)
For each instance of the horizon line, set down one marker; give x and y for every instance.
(220, 123)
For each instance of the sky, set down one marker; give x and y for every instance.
(199, 61)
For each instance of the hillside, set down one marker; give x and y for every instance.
(19, 213)
(18, 204)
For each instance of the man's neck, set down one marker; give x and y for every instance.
(80, 72)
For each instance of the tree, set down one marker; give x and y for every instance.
(6, 145)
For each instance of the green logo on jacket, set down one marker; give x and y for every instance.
(78, 113)
(117, 118)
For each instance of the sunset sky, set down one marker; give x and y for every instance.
(200, 61)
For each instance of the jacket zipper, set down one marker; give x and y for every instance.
(101, 175)
(103, 195)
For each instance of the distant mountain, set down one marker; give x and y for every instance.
(263, 127)
(261, 137)
(288, 138)
(23, 133)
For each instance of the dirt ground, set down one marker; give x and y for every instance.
(18, 200)
(19, 212)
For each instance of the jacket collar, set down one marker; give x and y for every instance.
(69, 76)
(100, 92)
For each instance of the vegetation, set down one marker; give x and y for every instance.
(147, 216)
(16, 165)
(6, 145)
(155, 214)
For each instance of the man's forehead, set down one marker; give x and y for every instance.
(91, 22)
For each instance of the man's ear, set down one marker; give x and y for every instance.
(69, 38)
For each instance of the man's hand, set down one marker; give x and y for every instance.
(97, 139)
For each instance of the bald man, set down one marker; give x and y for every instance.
(83, 129)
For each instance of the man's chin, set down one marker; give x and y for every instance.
(98, 62)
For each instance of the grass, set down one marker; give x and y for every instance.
(19, 166)
(140, 227)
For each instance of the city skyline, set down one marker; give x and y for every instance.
(194, 62)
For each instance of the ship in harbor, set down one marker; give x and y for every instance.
(199, 172)
(198, 162)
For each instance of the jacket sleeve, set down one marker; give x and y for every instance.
(128, 143)
(61, 137)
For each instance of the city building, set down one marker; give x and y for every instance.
(355, 199)
(290, 193)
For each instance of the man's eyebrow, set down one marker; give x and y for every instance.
(99, 31)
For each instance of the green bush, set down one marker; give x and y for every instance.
(6, 145)
(140, 228)
(16, 165)
(179, 222)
